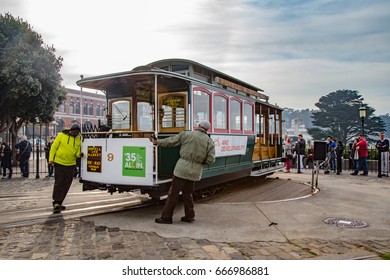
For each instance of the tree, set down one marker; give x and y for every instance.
(386, 120)
(30, 82)
(338, 116)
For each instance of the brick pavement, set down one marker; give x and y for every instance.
(80, 240)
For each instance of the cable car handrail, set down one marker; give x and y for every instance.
(119, 132)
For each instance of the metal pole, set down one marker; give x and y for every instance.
(81, 106)
(37, 161)
(156, 128)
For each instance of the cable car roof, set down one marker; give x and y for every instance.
(102, 82)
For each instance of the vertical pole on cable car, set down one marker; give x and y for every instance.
(156, 121)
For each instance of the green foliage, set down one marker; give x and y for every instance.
(30, 82)
(338, 116)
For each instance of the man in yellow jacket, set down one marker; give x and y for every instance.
(63, 154)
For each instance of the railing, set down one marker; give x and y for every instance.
(38, 167)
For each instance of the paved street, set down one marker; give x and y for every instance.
(277, 231)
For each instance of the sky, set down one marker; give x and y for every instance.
(295, 50)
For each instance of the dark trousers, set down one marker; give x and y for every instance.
(5, 171)
(24, 167)
(187, 189)
(339, 164)
(63, 177)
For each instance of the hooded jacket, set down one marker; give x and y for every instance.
(65, 149)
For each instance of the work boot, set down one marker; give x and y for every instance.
(187, 220)
(163, 220)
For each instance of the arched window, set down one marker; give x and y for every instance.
(235, 115)
(71, 106)
(248, 118)
(77, 106)
(201, 103)
(220, 113)
(98, 110)
(59, 127)
(62, 107)
(87, 126)
(85, 107)
(90, 111)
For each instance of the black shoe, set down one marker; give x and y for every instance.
(354, 173)
(163, 221)
(363, 174)
(187, 220)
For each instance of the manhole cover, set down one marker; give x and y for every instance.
(345, 222)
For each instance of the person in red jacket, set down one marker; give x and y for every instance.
(362, 148)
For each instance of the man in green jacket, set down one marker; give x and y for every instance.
(196, 150)
(63, 154)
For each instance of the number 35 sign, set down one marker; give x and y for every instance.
(133, 163)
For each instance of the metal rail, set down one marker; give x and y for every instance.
(39, 215)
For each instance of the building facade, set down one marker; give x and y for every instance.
(80, 107)
(298, 127)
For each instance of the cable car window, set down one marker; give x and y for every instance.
(144, 116)
(121, 117)
(235, 114)
(248, 117)
(180, 67)
(220, 112)
(201, 107)
(172, 111)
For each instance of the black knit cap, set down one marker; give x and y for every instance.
(75, 126)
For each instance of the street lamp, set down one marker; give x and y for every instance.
(81, 105)
(362, 115)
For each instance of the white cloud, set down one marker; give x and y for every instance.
(297, 51)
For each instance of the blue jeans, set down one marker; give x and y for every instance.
(362, 163)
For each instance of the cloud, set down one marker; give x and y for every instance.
(297, 50)
(11, 6)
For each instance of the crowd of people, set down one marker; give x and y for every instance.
(299, 156)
